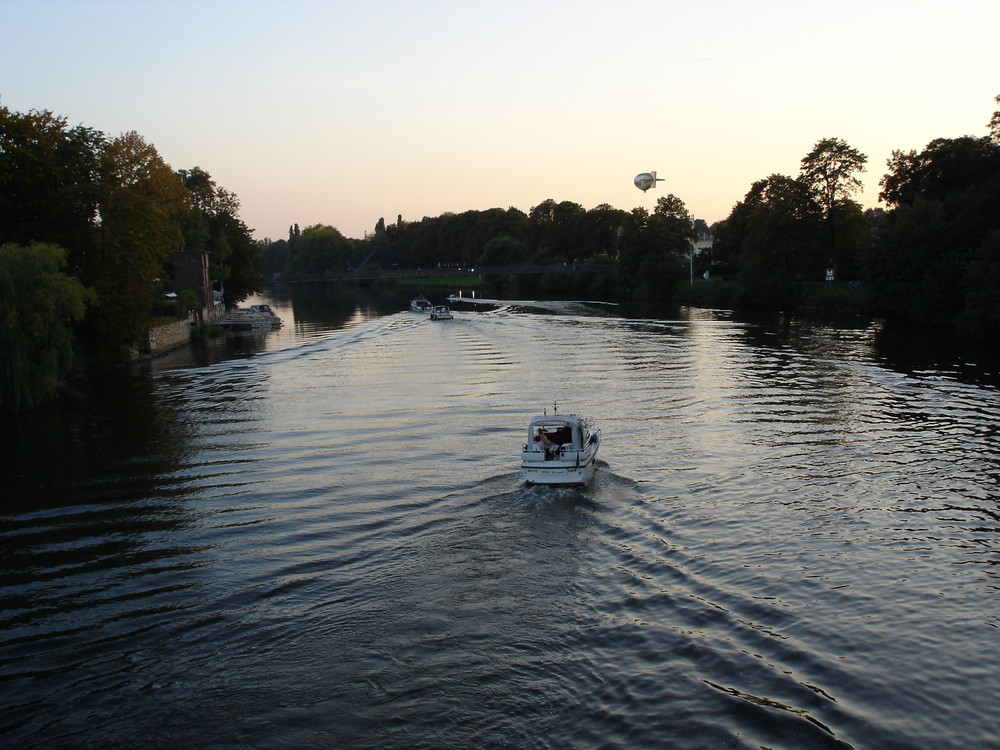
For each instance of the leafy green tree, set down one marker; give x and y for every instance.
(935, 255)
(503, 251)
(448, 239)
(911, 272)
(213, 224)
(602, 231)
(275, 257)
(244, 261)
(187, 300)
(945, 167)
(207, 195)
(673, 208)
(853, 239)
(777, 229)
(493, 222)
(194, 225)
(653, 247)
(38, 306)
(138, 232)
(830, 171)
(50, 184)
(119, 213)
(980, 316)
(633, 251)
(294, 234)
(727, 240)
(994, 125)
(321, 248)
(556, 230)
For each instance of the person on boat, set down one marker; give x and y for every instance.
(543, 443)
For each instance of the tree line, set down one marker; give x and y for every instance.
(929, 257)
(88, 225)
(642, 245)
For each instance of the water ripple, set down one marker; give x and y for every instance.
(787, 544)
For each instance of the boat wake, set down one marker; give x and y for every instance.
(605, 489)
(549, 307)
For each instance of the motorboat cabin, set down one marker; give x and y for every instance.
(560, 450)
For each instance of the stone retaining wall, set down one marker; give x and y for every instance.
(169, 336)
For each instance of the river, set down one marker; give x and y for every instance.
(319, 538)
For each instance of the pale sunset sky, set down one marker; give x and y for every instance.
(343, 111)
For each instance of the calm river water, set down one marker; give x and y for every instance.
(320, 539)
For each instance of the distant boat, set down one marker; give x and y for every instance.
(441, 312)
(420, 304)
(251, 318)
(560, 450)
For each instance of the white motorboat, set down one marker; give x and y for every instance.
(420, 304)
(266, 311)
(441, 312)
(251, 319)
(560, 450)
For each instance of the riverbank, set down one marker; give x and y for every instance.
(833, 296)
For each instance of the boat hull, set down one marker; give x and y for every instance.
(244, 320)
(567, 470)
(558, 477)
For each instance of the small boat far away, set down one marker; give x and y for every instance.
(420, 304)
(441, 312)
(560, 450)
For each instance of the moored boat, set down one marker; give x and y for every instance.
(266, 311)
(253, 318)
(420, 304)
(560, 450)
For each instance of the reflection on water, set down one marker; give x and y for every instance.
(307, 311)
(318, 537)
